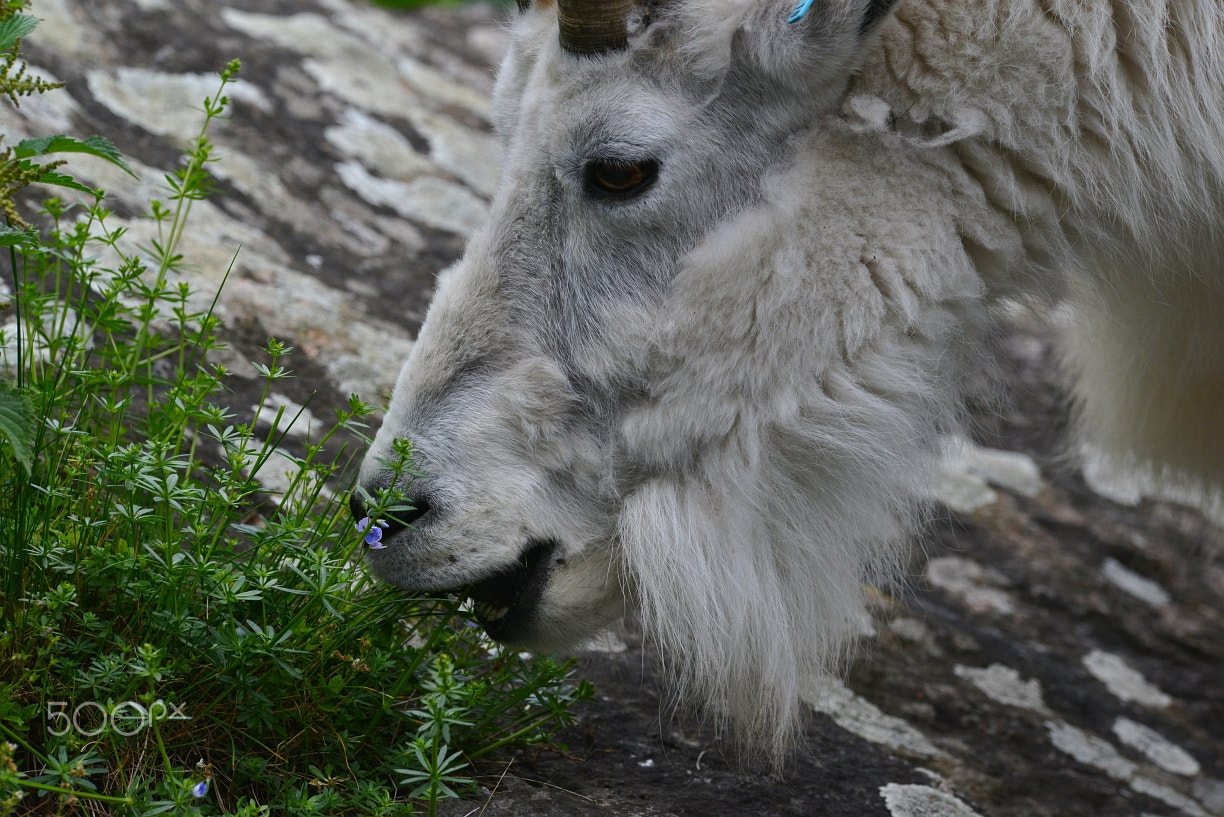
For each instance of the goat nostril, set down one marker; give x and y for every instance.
(394, 522)
(357, 508)
(399, 520)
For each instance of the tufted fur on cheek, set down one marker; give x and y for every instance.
(812, 358)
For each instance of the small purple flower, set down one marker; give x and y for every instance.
(199, 789)
(373, 537)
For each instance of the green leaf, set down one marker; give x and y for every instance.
(17, 423)
(14, 28)
(10, 237)
(98, 146)
(46, 176)
(17, 717)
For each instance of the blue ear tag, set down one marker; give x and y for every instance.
(800, 11)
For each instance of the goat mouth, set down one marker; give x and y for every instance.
(505, 602)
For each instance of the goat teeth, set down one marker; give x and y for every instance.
(490, 613)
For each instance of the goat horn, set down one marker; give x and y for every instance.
(593, 26)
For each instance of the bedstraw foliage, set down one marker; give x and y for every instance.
(172, 639)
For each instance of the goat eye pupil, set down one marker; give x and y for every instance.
(616, 179)
(619, 177)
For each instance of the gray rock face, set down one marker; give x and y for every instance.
(1059, 654)
(355, 160)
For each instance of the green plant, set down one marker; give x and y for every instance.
(172, 639)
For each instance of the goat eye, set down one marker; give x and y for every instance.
(611, 179)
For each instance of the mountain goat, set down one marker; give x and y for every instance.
(737, 278)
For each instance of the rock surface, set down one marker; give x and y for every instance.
(1059, 654)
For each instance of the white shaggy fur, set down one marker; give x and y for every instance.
(720, 397)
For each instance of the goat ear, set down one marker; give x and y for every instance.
(807, 44)
(876, 11)
(800, 43)
(872, 12)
